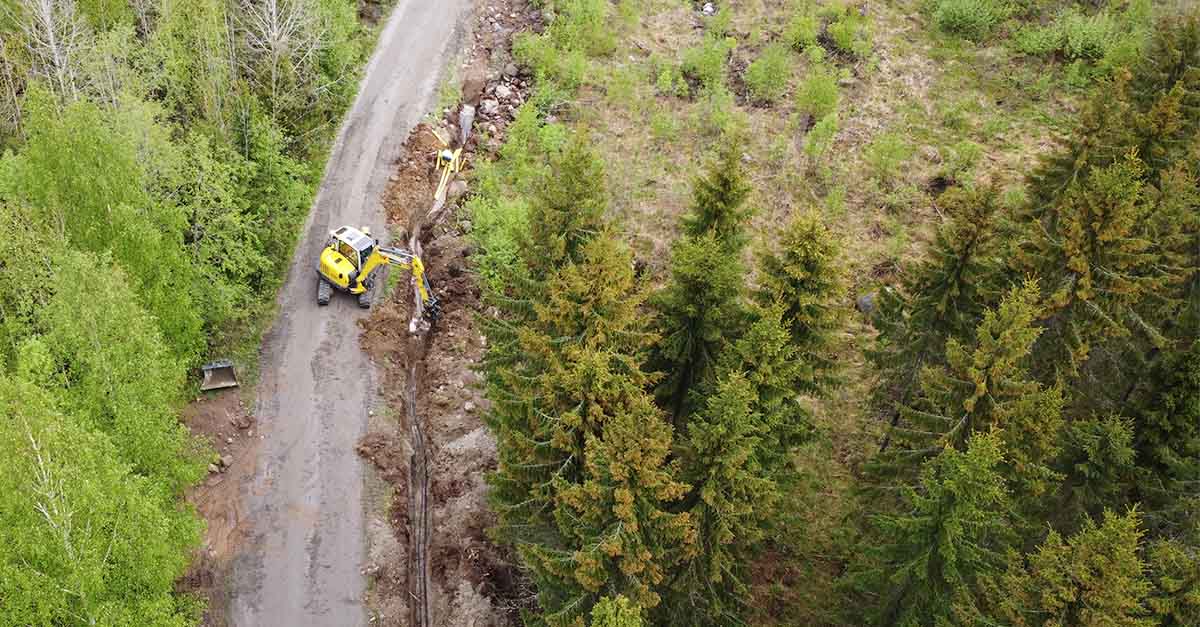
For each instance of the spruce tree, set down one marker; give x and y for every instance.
(718, 199)
(1167, 442)
(1174, 570)
(1093, 579)
(1096, 263)
(805, 276)
(770, 362)
(618, 533)
(981, 387)
(583, 485)
(698, 312)
(942, 297)
(732, 496)
(1166, 89)
(568, 208)
(926, 562)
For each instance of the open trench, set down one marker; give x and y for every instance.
(418, 497)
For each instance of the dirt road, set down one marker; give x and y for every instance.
(302, 562)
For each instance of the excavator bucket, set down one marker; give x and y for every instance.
(218, 375)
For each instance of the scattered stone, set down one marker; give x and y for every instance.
(455, 269)
(866, 303)
(469, 406)
(213, 468)
(229, 440)
(489, 107)
(847, 81)
(465, 225)
(226, 461)
(709, 9)
(503, 92)
(931, 154)
(510, 70)
(457, 190)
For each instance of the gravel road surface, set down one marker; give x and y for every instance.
(302, 562)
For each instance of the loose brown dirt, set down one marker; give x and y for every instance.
(221, 421)
(474, 581)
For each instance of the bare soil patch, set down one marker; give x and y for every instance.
(220, 420)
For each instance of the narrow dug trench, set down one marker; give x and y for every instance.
(430, 442)
(433, 447)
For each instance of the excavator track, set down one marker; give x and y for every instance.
(324, 291)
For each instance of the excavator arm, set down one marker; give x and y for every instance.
(404, 259)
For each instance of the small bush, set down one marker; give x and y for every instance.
(964, 156)
(664, 126)
(850, 33)
(561, 52)
(973, 19)
(767, 77)
(706, 61)
(818, 94)
(820, 138)
(1087, 36)
(802, 31)
(720, 24)
(717, 113)
(885, 155)
(1038, 40)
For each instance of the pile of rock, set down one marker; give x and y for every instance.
(501, 98)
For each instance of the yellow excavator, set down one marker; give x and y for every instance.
(350, 259)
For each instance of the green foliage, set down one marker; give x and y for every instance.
(697, 311)
(98, 544)
(1168, 438)
(616, 612)
(973, 19)
(805, 277)
(885, 155)
(116, 371)
(929, 561)
(984, 387)
(818, 94)
(850, 31)
(580, 29)
(567, 209)
(718, 199)
(733, 498)
(820, 138)
(771, 363)
(1175, 572)
(767, 77)
(706, 61)
(79, 175)
(1093, 579)
(802, 30)
(960, 164)
(942, 297)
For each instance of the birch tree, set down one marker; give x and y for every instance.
(54, 36)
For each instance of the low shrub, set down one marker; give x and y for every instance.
(818, 94)
(767, 77)
(706, 62)
(972, 19)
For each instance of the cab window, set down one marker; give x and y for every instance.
(348, 252)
